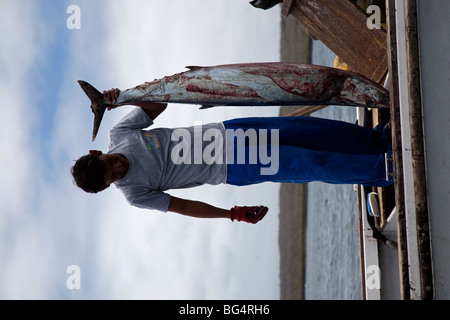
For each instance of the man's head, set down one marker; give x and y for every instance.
(95, 171)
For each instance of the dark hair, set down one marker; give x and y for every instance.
(89, 173)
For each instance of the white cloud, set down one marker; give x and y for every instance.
(19, 250)
(16, 60)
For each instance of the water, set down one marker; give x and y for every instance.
(332, 249)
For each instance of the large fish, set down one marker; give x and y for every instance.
(250, 84)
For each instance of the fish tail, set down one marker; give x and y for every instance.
(98, 105)
(93, 94)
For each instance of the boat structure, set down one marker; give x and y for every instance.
(403, 45)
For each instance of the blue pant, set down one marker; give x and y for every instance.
(314, 149)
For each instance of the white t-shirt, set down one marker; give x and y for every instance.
(158, 160)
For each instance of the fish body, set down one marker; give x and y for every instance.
(261, 84)
(252, 84)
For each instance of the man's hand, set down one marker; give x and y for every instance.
(111, 97)
(248, 214)
(152, 109)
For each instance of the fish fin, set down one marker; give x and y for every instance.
(193, 68)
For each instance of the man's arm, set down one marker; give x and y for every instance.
(152, 109)
(196, 209)
(199, 209)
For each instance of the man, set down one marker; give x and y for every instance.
(146, 163)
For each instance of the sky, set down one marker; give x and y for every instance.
(48, 226)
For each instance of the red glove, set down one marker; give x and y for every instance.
(248, 214)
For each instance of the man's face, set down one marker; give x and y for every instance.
(116, 166)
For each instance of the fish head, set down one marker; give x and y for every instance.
(358, 90)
